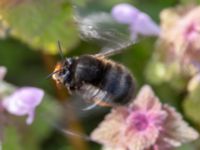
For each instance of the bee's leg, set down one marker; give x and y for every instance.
(103, 104)
(98, 102)
(92, 105)
(99, 97)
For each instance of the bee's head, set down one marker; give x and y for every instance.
(62, 72)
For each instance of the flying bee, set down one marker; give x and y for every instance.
(96, 78)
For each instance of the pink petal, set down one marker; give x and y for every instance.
(157, 118)
(176, 131)
(141, 140)
(146, 100)
(108, 132)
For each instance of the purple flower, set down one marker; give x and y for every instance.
(139, 22)
(145, 124)
(3, 71)
(24, 102)
(144, 25)
(124, 13)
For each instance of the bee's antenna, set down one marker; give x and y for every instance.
(60, 50)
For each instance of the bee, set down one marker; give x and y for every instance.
(95, 77)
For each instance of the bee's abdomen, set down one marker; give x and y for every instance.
(118, 83)
(103, 80)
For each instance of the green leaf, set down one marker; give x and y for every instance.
(190, 146)
(158, 72)
(4, 29)
(11, 139)
(41, 23)
(192, 105)
(186, 147)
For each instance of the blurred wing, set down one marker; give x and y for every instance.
(95, 97)
(102, 29)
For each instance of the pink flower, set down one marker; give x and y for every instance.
(139, 22)
(136, 127)
(175, 131)
(181, 37)
(143, 126)
(3, 71)
(24, 102)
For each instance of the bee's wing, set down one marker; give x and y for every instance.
(112, 51)
(102, 29)
(95, 97)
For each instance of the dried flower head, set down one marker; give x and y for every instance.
(139, 22)
(146, 124)
(24, 102)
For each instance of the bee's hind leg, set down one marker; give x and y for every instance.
(97, 103)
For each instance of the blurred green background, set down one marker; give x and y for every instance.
(29, 51)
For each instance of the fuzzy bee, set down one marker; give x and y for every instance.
(96, 78)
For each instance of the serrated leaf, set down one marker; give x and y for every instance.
(41, 23)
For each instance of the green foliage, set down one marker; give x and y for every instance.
(186, 147)
(12, 139)
(192, 105)
(42, 23)
(37, 25)
(46, 117)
